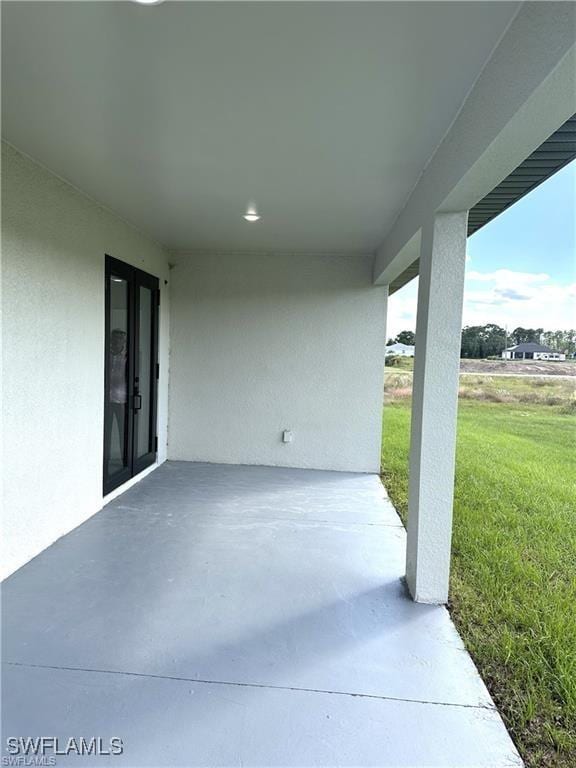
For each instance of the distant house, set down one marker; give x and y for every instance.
(403, 350)
(531, 351)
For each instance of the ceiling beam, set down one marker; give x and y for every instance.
(525, 92)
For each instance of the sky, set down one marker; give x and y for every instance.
(520, 268)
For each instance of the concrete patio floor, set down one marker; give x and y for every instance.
(253, 616)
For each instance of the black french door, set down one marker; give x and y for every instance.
(130, 372)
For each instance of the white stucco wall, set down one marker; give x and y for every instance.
(54, 240)
(263, 343)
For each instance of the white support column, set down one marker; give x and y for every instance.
(434, 406)
(385, 294)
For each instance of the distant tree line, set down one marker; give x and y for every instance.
(490, 340)
(484, 340)
(563, 341)
(404, 337)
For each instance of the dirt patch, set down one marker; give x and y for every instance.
(519, 367)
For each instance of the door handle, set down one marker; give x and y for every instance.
(137, 405)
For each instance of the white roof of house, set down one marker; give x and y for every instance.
(400, 348)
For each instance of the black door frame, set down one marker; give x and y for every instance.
(134, 279)
(146, 281)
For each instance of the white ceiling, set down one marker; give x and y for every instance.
(178, 116)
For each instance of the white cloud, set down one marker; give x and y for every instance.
(529, 299)
(402, 310)
(505, 297)
(546, 305)
(505, 277)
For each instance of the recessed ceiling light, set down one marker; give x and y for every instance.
(252, 212)
(149, 2)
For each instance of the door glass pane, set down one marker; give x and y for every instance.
(144, 370)
(117, 405)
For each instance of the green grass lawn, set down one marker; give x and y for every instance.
(513, 585)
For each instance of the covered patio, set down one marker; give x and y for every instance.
(205, 207)
(230, 615)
